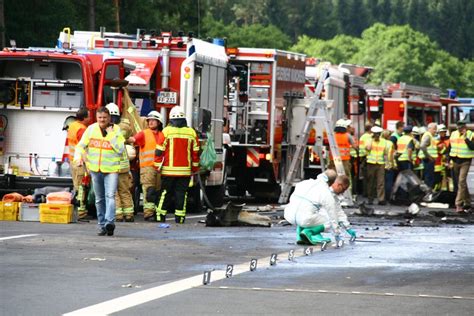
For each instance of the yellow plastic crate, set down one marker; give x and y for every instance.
(9, 211)
(56, 213)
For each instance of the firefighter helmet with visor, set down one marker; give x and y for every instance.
(154, 115)
(176, 112)
(113, 109)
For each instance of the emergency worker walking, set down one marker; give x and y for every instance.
(74, 134)
(376, 158)
(461, 153)
(177, 158)
(441, 178)
(363, 156)
(123, 199)
(105, 145)
(149, 178)
(390, 165)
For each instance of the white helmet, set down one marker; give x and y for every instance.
(154, 115)
(113, 109)
(176, 112)
(131, 152)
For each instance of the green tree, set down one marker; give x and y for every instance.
(467, 79)
(337, 50)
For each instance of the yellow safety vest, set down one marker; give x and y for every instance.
(72, 131)
(459, 147)
(364, 139)
(432, 149)
(126, 132)
(103, 153)
(377, 151)
(390, 153)
(402, 147)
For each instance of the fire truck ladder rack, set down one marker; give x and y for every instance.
(319, 115)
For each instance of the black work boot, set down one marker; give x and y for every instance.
(179, 219)
(102, 232)
(161, 218)
(109, 228)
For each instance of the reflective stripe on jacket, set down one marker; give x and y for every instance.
(377, 152)
(103, 153)
(342, 141)
(402, 147)
(147, 151)
(72, 140)
(459, 147)
(363, 141)
(180, 152)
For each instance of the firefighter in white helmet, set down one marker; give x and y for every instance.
(149, 178)
(123, 199)
(344, 143)
(177, 159)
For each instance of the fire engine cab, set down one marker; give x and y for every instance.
(414, 105)
(40, 90)
(171, 70)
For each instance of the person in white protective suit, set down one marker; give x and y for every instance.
(314, 208)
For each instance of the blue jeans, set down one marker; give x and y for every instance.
(428, 172)
(389, 180)
(105, 187)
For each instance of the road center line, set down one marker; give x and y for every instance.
(141, 297)
(17, 236)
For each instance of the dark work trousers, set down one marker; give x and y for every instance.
(176, 187)
(389, 179)
(428, 172)
(404, 165)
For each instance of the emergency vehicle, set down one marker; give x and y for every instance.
(171, 70)
(262, 85)
(414, 105)
(40, 90)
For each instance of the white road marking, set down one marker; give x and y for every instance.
(17, 236)
(144, 296)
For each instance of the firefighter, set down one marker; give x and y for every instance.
(428, 147)
(390, 165)
(177, 158)
(376, 159)
(461, 153)
(442, 145)
(74, 134)
(102, 144)
(149, 178)
(344, 143)
(418, 154)
(397, 133)
(123, 199)
(363, 155)
(405, 149)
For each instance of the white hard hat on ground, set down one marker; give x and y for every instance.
(176, 112)
(154, 115)
(113, 109)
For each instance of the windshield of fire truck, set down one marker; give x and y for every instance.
(420, 116)
(463, 112)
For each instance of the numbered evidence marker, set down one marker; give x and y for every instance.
(273, 259)
(291, 255)
(253, 264)
(308, 251)
(206, 279)
(229, 270)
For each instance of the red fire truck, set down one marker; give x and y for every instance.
(262, 85)
(171, 70)
(40, 89)
(414, 105)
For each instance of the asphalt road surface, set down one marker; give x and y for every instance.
(48, 269)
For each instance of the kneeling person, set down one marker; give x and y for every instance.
(314, 208)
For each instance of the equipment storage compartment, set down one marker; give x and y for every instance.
(44, 70)
(9, 211)
(48, 98)
(70, 99)
(56, 213)
(29, 212)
